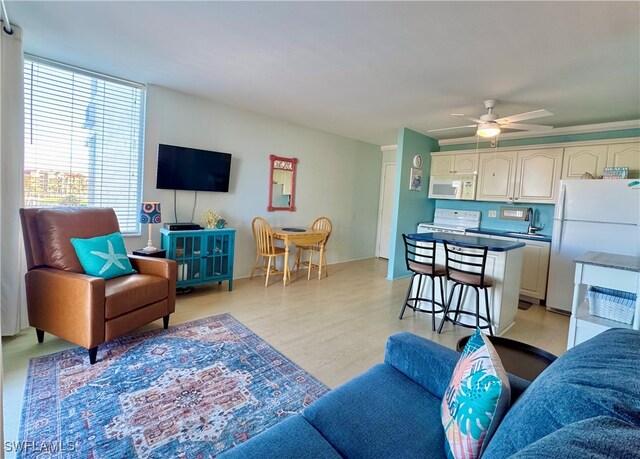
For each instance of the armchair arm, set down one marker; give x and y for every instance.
(431, 365)
(160, 267)
(426, 363)
(67, 304)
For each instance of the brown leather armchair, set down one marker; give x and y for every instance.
(83, 309)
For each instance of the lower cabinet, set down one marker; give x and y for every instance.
(203, 256)
(535, 266)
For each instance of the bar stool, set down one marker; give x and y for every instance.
(465, 266)
(420, 257)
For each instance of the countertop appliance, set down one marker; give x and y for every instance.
(453, 187)
(452, 221)
(590, 215)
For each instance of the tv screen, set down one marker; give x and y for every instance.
(181, 168)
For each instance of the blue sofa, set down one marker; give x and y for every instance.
(586, 404)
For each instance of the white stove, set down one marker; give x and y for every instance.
(452, 221)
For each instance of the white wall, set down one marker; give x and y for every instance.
(337, 177)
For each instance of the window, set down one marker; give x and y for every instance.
(83, 140)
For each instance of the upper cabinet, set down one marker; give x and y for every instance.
(519, 176)
(590, 159)
(454, 164)
(625, 155)
(594, 158)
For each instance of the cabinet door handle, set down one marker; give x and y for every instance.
(515, 199)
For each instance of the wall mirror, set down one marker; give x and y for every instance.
(282, 183)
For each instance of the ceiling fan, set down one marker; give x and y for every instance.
(490, 125)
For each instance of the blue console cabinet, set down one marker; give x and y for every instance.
(203, 256)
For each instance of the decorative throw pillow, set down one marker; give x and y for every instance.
(103, 256)
(476, 399)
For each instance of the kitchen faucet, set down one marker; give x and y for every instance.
(531, 229)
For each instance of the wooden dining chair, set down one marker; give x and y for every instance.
(266, 249)
(320, 224)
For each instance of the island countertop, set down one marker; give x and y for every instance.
(494, 245)
(610, 260)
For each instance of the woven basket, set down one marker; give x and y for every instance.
(611, 304)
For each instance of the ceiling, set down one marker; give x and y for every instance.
(361, 69)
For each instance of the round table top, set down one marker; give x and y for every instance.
(518, 358)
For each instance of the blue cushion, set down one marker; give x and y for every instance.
(293, 438)
(596, 378)
(379, 414)
(601, 437)
(103, 256)
(476, 399)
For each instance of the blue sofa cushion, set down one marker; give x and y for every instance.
(601, 437)
(596, 378)
(293, 438)
(379, 414)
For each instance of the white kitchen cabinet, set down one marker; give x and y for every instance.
(594, 158)
(496, 172)
(588, 158)
(519, 176)
(535, 266)
(618, 272)
(454, 164)
(625, 155)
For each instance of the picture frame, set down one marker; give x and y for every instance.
(415, 179)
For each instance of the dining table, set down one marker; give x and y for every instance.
(299, 236)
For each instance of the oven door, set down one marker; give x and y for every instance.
(452, 187)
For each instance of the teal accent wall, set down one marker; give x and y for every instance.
(412, 207)
(544, 214)
(624, 133)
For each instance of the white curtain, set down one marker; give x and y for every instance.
(12, 259)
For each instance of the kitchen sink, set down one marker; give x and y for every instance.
(518, 234)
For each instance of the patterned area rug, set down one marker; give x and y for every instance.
(191, 391)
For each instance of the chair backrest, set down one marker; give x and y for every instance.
(466, 259)
(419, 252)
(323, 224)
(263, 234)
(47, 233)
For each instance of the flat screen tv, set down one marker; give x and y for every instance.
(181, 168)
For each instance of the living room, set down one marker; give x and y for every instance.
(297, 80)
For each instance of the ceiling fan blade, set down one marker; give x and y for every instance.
(524, 116)
(455, 127)
(526, 127)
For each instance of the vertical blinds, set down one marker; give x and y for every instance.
(83, 140)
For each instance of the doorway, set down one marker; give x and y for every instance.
(386, 209)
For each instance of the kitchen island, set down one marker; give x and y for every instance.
(504, 265)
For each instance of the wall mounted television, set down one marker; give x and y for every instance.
(182, 168)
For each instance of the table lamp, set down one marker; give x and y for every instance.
(150, 213)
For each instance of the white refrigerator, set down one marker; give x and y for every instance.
(590, 215)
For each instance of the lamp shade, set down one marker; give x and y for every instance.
(488, 129)
(150, 212)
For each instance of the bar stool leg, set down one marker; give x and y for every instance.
(477, 307)
(446, 309)
(406, 298)
(486, 303)
(433, 303)
(460, 295)
(416, 302)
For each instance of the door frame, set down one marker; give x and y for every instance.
(381, 206)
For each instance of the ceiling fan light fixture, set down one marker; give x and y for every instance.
(488, 130)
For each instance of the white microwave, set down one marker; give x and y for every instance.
(453, 187)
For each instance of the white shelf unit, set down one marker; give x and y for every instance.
(584, 325)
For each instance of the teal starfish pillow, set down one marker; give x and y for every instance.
(476, 400)
(103, 256)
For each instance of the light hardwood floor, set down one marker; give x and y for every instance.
(335, 328)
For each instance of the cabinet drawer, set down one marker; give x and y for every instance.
(606, 277)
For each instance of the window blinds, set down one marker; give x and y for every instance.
(83, 140)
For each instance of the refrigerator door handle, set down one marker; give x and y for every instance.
(560, 208)
(556, 240)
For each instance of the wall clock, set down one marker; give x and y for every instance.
(417, 161)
